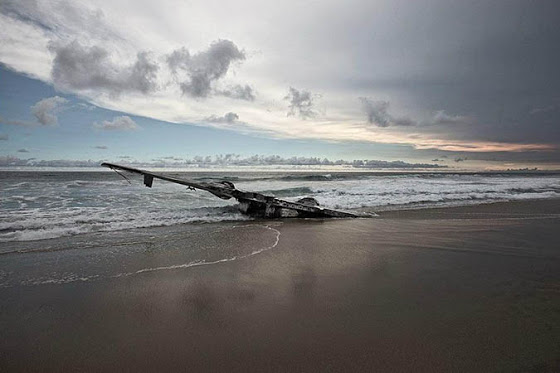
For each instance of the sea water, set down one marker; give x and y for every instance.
(48, 204)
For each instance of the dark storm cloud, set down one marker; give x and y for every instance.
(377, 113)
(301, 103)
(23, 151)
(204, 68)
(540, 110)
(80, 67)
(101, 147)
(491, 61)
(47, 109)
(508, 72)
(227, 118)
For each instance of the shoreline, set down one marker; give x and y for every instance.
(534, 207)
(541, 206)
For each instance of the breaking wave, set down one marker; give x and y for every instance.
(39, 225)
(47, 205)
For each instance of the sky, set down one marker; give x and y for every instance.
(469, 84)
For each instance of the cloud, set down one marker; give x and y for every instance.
(171, 158)
(403, 121)
(46, 110)
(4, 137)
(23, 151)
(440, 117)
(62, 16)
(377, 113)
(227, 118)
(233, 160)
(122, 123)
(85, 106)
(301, 103)
(437, 73)
(22, 123)
(15, 161)
(102, 147)
(239, 92)
(459, 159)
(178, 60)
(79, 67)
(545, 109)
(201, 70)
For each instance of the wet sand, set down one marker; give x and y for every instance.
(461, 289)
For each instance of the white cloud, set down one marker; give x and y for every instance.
(221, 160)
(226, 118)
(240, 92)
(47, 109)
(441, 117)
(122, 123)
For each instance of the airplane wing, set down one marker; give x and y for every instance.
(219, 189)
(250, 202)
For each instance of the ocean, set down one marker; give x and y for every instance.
(48, 204)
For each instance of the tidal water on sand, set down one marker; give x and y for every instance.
(50, 204)
(121, 254)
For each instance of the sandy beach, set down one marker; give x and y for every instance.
(464, 289)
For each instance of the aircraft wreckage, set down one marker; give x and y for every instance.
(250, 203)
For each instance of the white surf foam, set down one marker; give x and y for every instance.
(54, 208)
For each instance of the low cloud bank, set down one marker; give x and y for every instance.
(228, 160)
